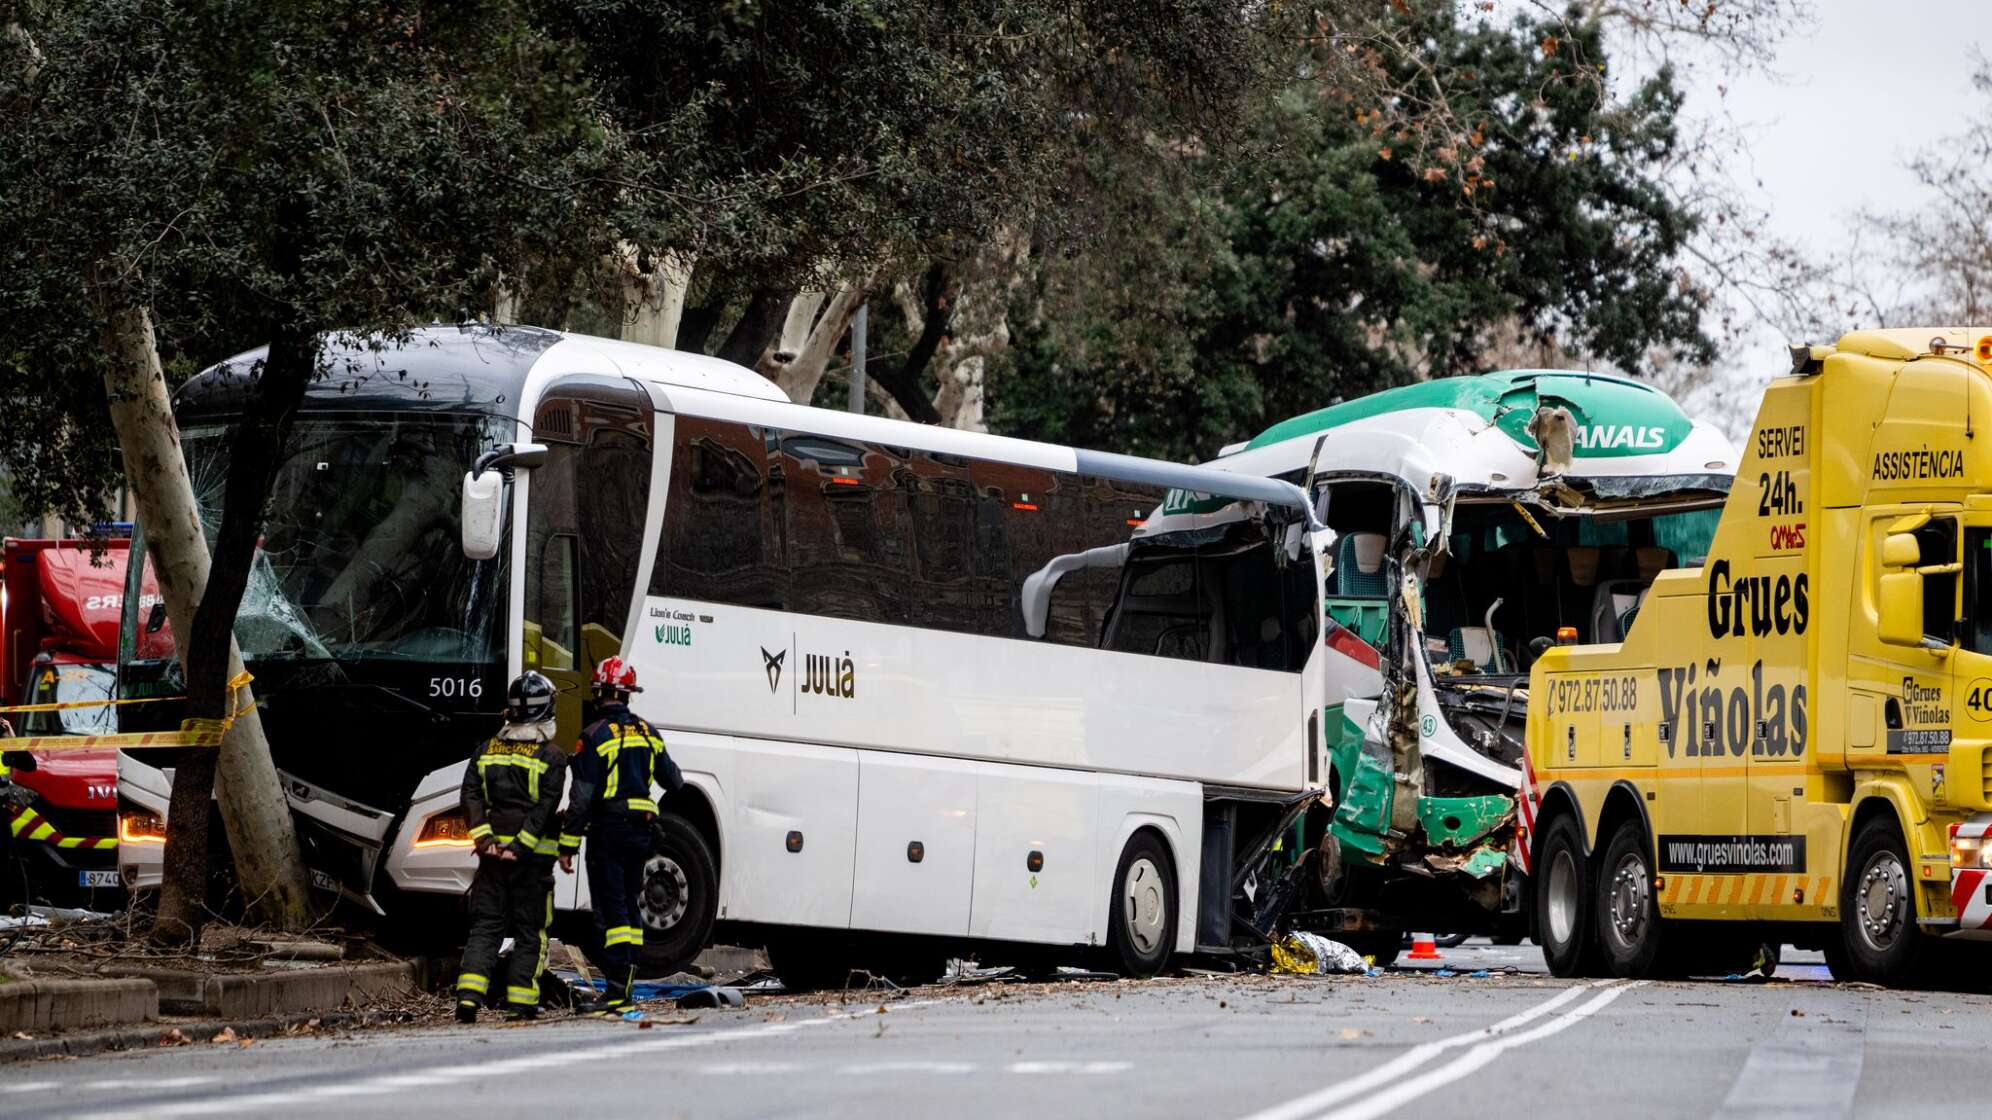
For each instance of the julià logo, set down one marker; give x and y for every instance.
(827, 675)
(773, 663)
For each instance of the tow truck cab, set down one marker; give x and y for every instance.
(1792, 732)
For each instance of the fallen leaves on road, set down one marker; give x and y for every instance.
(227, 1035)
(1349, 1034)
(1421, 1018)
(24, 1036)
(174, 1037)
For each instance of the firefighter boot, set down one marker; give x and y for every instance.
(466, 1011)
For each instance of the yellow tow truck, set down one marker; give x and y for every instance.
(1790, 745)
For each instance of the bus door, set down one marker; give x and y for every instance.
(584, 533)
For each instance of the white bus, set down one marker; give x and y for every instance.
(930, 689)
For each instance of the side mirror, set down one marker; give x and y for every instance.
(1900, 608)
(1900, 550)
(483, 514)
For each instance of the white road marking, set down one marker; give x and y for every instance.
(748, 1069)
(278, 1100)
(1809, 1068)
(872, 1069)
(1411, 1060)
(1404, 1092)
(1070, 1067)
(30, 1087)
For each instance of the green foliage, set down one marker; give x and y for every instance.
(245, 168)
(795, 143)
(1359, 256)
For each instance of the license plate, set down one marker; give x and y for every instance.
(99, 879)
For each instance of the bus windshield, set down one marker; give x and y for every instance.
(359, 557)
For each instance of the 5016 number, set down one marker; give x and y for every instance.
(455, 688)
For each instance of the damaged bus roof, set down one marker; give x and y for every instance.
(1609, 436)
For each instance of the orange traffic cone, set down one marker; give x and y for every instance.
(1423, 948)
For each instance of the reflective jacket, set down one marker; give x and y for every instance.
(512, 787)
(619, 758)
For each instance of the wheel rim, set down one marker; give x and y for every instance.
(666, 893)
(1145, 913)
(1563, 900)
(1881, 901)
(1628, 900)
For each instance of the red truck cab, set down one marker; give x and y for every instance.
(59, 606)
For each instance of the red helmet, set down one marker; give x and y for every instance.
(615, 675)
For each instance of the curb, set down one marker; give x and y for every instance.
(273, 993)
(197, 1033)
(40, 1005)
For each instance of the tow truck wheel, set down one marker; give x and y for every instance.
(1878, 928)
(1630, 930)
(1564, 904)
(1143, 929)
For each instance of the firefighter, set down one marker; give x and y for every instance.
(511, 801)
(619, 758)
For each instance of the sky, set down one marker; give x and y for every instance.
(1830, 124)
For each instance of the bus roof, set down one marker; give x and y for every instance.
(474, 367)
(1476, 429)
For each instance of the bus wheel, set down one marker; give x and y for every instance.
(1563, 901)
(1629, 925)
(679, 900)
(1877, 908)
(1143, 929)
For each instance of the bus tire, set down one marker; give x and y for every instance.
(1630, 931)
(1878, 930)
(1142, 924)
(680, 898)
(1563, 901)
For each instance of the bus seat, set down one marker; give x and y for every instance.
(1613, 607)
(1359, 566)
(1481, 646)
(1583, 561)
(1653, 561)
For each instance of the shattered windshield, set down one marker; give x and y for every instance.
(90, 684)
(360, 557)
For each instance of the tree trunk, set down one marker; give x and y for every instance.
(253, 809)
(795, 328)
(759, 326)
(653, 296)
(931, 317)
(800, 377)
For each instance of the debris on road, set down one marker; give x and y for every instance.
(1310, 954)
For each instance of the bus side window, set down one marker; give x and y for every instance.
(722, 519)
(940, 503)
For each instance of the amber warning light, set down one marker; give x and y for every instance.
(141, 826)
(1566, 635)
(445, 830)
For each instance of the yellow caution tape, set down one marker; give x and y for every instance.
(192, 733)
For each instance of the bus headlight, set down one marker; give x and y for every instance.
(141, 826)
(444, 830)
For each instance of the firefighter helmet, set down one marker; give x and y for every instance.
(615, 675)
(529, 699)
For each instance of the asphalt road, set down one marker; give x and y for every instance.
(1511, 1043)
